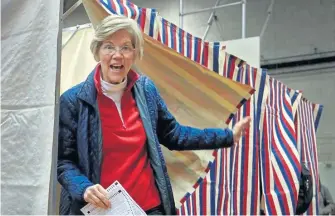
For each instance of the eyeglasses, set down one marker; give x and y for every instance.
(111, 50)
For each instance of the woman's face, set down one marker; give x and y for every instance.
(117, 55)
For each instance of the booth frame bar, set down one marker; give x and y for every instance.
(269, 13)
(71, 9)
(53, 207)
(217, 6)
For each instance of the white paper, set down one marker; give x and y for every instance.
(121, 203)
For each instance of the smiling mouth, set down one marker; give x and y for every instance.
(116, 67)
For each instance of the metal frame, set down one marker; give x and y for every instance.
(217, 6)
(52, 202)
(71, 36)
(72, 8)
(269, 11)
(244, 9)
(77, 27)
(210, 20)
(74, 30)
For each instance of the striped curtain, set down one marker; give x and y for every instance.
(232, 183)
(145, 17)
(227, 173)
(208, 54)
(317, 111)
(307, 119)
(280, 159)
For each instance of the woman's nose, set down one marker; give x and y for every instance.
(117, 54)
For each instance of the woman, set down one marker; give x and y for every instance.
(111, 125)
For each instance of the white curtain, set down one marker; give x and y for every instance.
(28, 77)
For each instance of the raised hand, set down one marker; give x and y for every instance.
(239, 129)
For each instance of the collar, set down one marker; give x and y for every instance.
(113, 88)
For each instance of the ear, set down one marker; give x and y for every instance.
(96, 58)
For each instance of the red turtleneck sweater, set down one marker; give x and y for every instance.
(125, 157)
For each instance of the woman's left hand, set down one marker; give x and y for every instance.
(239, 129)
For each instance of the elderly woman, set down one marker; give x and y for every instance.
(112, 124)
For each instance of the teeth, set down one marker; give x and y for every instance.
(116, 66)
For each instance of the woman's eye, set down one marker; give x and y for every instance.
(108, 47)
(126, 48)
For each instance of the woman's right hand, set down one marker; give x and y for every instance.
(97, 196)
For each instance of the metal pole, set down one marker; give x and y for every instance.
(181, 10)
(72, 8)
(71, 36)
(212, 8)
(219, 27)
(210, 20)
(243, 17)
(52, 202)
(267, 18)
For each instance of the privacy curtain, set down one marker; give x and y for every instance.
(28, 82)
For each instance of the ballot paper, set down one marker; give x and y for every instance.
(121, 203)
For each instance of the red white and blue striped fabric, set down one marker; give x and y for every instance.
(216, 193)
(306, 139)
(232, 183)
(280, 160)
(296, 96)
(303, 109)
(244, 158)
(145, 17)
(317, 110)
(208, 54)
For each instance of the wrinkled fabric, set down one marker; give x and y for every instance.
(80, 140)
(29, 39)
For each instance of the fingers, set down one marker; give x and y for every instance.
(97, 195)
(243, 124)
(103, 196)
(96, 201)
(246, 121)
(240, 129)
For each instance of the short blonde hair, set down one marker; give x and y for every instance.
(112, 24)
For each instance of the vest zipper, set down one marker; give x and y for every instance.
(121, 117)
(123, 125)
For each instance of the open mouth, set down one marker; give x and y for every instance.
(116, 67)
